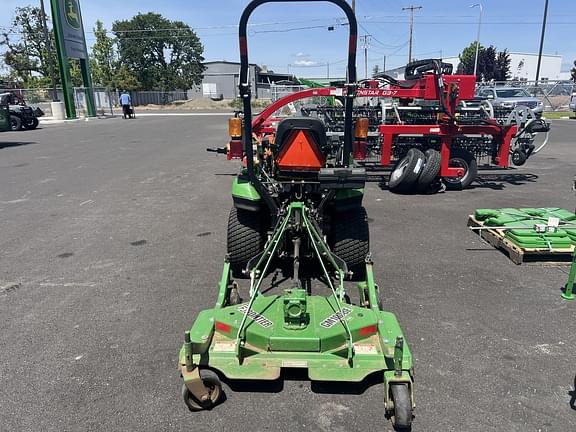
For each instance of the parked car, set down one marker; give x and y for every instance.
(510, 98)
(573, 102)
(22, 116)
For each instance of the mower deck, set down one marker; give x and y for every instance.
(320, 346)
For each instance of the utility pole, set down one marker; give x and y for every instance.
(411, 9)
(328, 70)
(384, 64)
(366, 41)
(49, 52)
(542, 41)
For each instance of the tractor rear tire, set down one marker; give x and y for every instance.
(406, 172)
(402, 417)
(351, 240)
(245, 239)
(460, 158)
(431, 168)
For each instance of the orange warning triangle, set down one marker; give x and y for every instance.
(300, 153)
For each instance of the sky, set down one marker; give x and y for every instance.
(295, 37)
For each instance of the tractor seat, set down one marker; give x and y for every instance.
(299, 145)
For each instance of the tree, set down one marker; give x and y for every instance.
(163, 54)
(573, 72)
(492, 65)
(502, 72)
(26, 53)
(102, 58)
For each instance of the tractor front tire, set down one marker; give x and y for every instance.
(351, 240)
(15, 123)
(245, 239)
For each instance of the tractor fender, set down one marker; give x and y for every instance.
(245, 195)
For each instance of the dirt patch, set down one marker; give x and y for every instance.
(202, 104)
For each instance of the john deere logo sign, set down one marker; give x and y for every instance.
(72, 13)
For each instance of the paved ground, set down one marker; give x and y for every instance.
(111, 240)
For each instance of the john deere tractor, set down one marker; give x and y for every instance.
(297, 238)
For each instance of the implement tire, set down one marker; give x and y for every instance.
(351, 240)
(431, 167)
(245, 239)
(406, 172)
(460, 158)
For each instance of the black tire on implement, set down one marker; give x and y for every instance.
(460, 158)
(245, 239)
(402, 418)
(351, 240)
(407, 170)
(431, 167)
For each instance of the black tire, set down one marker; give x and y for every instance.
(351, 240)
(15, 123)
(33, 125)
(431, 168)
(519, 157)
(211, 381)
(245, 239)
(460, 158)
(402, 417)
(407, 170)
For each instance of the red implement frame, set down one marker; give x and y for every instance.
(456, 88)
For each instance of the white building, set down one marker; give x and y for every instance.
(523, 66)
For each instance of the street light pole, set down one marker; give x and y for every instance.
(477, 36)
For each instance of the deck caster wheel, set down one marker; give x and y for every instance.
(402, 414)
(212, 382)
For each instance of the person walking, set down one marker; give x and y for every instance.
(125, 101)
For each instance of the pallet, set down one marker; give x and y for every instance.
(517, 254)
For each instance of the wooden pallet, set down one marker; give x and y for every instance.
(518, 255)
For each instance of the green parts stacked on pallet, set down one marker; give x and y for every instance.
(297, 225)
(525, 219)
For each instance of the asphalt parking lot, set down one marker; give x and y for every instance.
(112, 236)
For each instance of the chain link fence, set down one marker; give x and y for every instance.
(554, 94)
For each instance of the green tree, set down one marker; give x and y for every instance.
(164, 54)
(502, 72)
(26, 50)
(102, 58)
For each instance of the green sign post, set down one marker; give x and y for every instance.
(71, 43)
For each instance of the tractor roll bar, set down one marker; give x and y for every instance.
(245, 93)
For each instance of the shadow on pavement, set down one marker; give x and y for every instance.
(6, 144)
(500, 181)
(572, 393)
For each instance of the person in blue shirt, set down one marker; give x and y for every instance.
(125, 101)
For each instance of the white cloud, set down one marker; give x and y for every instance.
(305, 63)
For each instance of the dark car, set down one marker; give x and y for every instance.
(22, 116)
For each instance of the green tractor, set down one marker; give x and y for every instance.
(297, 238)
